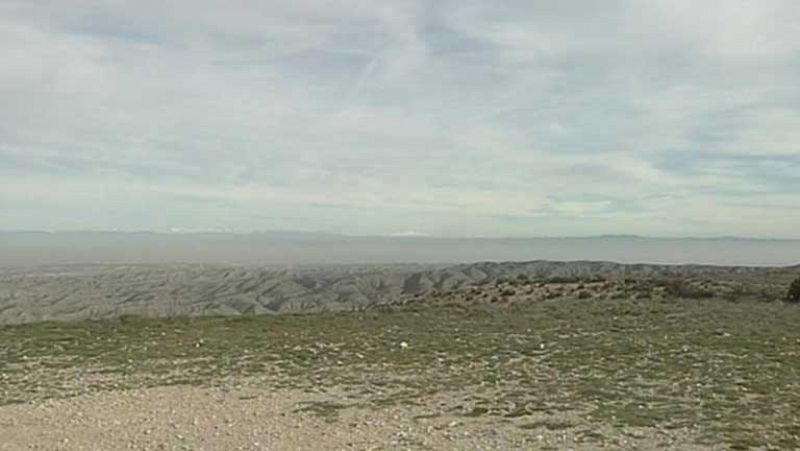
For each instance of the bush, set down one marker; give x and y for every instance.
(685, 289)
(793, 294)
(562, 279)
(508, 292)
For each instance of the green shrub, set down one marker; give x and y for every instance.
(685, 289)
(562, 279)
(793, 294)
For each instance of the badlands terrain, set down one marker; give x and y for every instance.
(536, 355)
(76, 292)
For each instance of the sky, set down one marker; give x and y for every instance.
(441, 118)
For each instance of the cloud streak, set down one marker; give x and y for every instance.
(445, 118)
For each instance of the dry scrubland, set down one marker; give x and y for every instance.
(77, 292)
(508, 364)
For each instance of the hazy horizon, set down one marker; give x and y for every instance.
(309, 233)
(319, 233)
(21, 249)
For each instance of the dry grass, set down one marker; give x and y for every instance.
(729, 372)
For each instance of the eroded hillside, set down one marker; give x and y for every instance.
(95, 292)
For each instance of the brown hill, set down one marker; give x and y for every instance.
(102, 291)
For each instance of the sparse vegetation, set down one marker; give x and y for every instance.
(507, 292)
(687, 289)
(793, 293)
(724, 372)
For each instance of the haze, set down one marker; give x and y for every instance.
(281, 249)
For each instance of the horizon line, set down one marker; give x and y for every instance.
(386, 236)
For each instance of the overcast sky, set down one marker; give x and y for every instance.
(444, 118)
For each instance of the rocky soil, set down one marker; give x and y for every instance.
(246, 418)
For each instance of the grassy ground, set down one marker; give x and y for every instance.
(729, 372)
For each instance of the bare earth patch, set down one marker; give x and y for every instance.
(246, 418)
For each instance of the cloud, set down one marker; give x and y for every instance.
(445, 118)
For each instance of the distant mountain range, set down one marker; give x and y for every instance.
(286, 248)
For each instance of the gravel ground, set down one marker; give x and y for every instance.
(201, 418)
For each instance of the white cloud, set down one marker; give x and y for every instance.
(442, 118)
